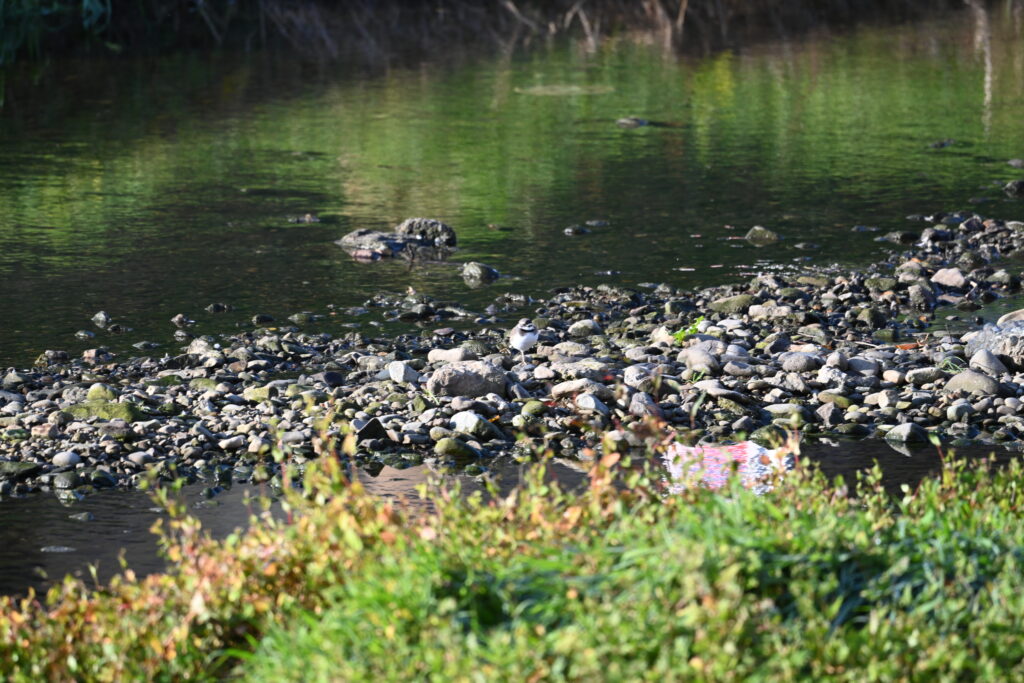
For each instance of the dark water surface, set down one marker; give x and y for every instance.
(153, 188)
(41, 542)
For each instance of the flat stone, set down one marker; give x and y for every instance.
(571, 349)
(581, 386)
(582, 369)
(456, 355)
(715, 389)
(972, 381)
(738, 369)
(783, 409)
(768, 311)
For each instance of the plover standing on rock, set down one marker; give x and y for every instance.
(523, 336)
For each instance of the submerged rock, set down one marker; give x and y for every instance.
(476, 273)
(761, 236)
(1014, 188)
(414, 238)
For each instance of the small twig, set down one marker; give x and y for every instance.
(511, 7)
(681, 17)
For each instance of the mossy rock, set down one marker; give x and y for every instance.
(454, 448)
(886, 335)
(733, 304)
(533, 408)
(852, 429)
(15, 434)
(169, 408)
(420, 404)
(101, 479)
(101, 392)
(107, 410)
(168, 381)
(256, 394)
(816, 333)
(293, 390)
(732, 407)
(203, 383)
(477, 347)
(881, 284)
(793, 294)
(843, 402)
(14, 471)
(874, 318)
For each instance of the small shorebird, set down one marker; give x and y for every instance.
(523, 336)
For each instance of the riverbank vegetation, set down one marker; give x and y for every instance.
(383, 30)
(616, 581)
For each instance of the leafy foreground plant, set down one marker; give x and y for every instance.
(614, 582)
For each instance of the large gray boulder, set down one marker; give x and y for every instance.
(1006, 339)
(467, 378)
(971, 382)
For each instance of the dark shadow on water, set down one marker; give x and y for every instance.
(42, 540)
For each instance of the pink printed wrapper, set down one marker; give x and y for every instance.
(710, 466)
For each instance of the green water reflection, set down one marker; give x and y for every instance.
(153, 188)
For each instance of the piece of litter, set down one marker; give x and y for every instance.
(711, 465)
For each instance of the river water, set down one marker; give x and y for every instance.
(149, 188)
